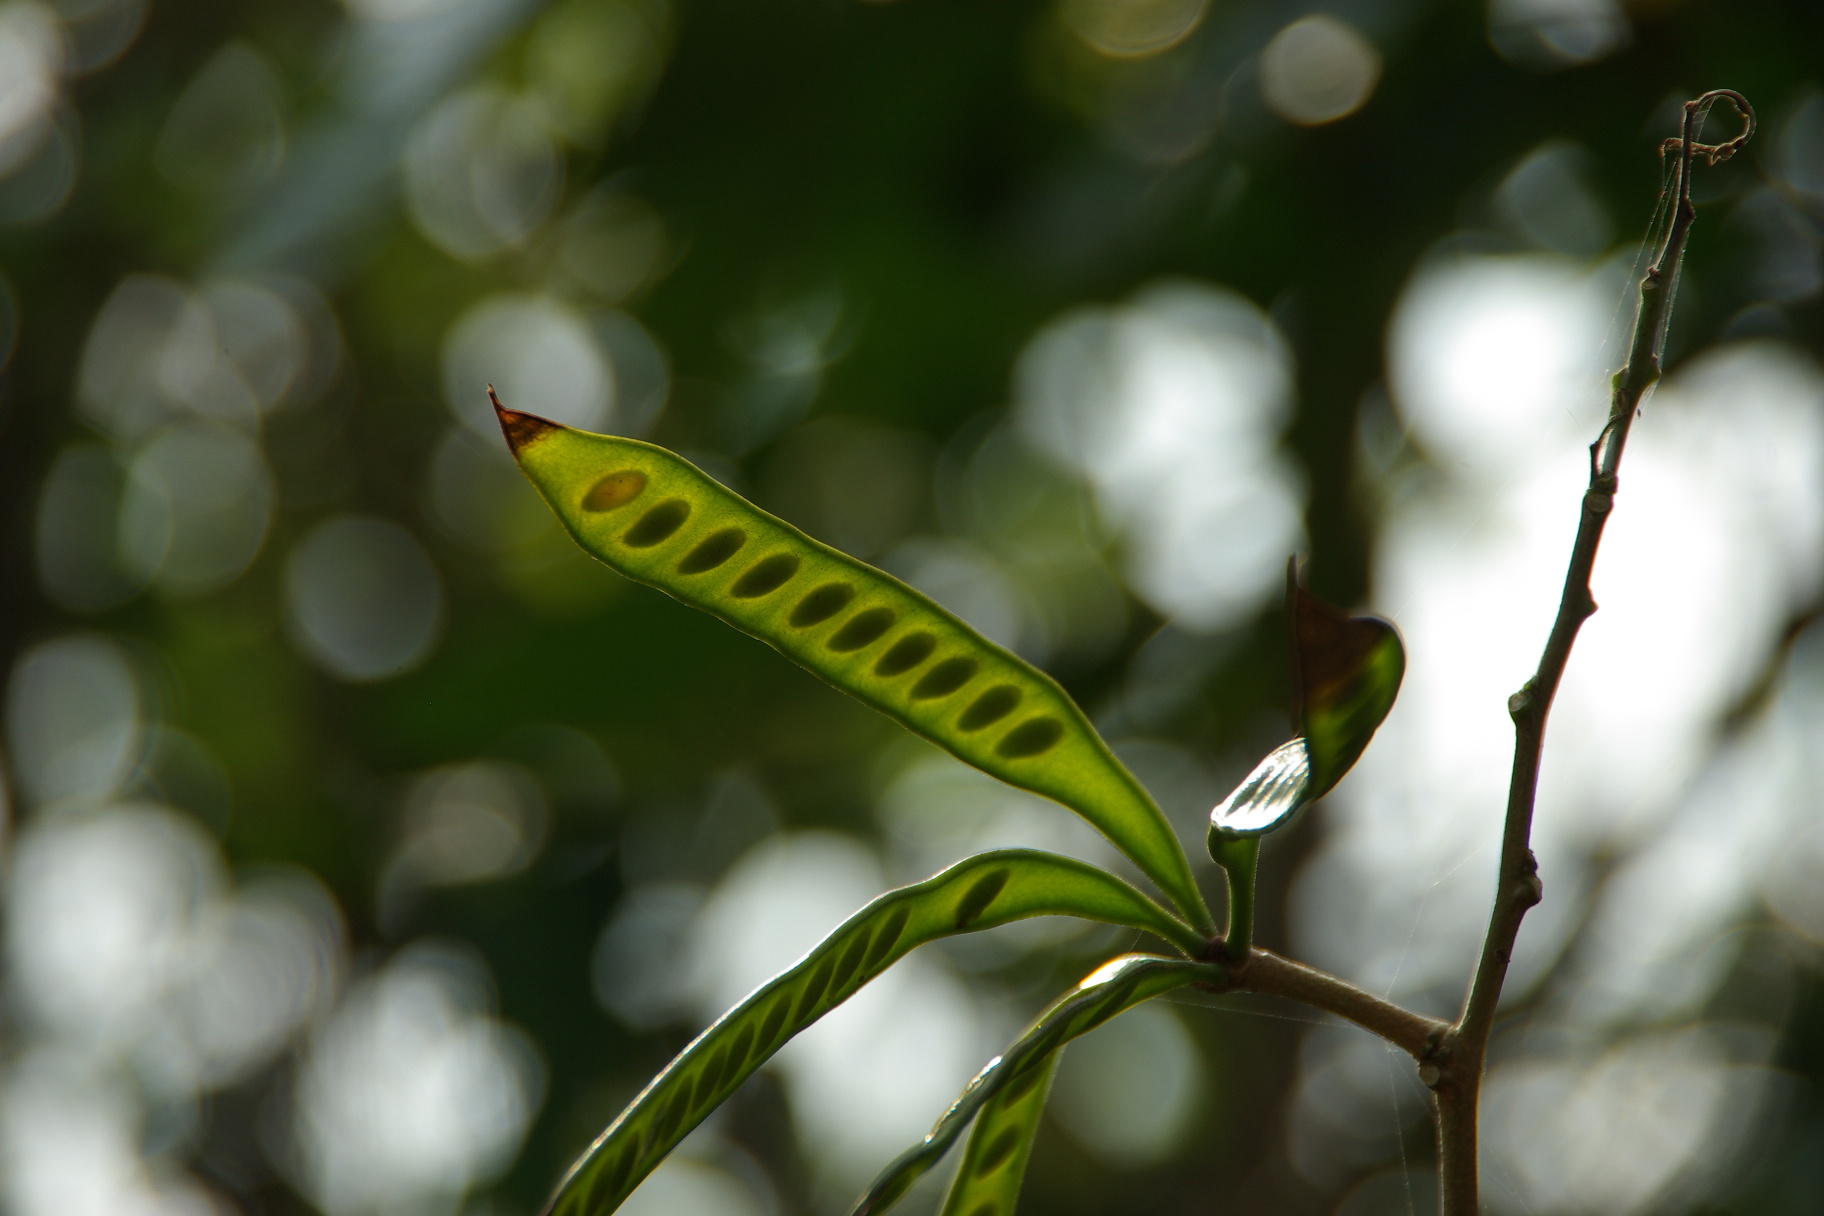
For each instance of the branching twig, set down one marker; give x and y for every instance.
(1462, 1052)
(1273, 975)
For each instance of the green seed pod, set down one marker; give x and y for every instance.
(660, 520)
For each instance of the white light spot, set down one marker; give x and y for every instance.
(226, 131)
(194, 515)
(158, 351)
(73, 720)
(365, 601)
(1646, 1126)
(69, 1146)
(1128, 29)
(1128, 1090)
(1171, 408)
(77, 531)
(117, 386)
(539, 354)
(481, 173)
(938, 811)
(870, 1077)
(1547, 197)
(412, 1094)
(639, 969)
(970, 583)
(681, 1187)
(1317, 70)
(31, 60)
(1556, 33)
(98, 914)
(259, 966)
(470, 822)
(1495, 361)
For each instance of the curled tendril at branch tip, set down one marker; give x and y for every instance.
(1695, 113)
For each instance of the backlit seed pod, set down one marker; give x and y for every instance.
(660, 520)
(985, 891)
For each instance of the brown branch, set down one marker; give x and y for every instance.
(1463, 1051)
(1274, 975)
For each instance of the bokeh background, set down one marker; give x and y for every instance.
(368, 847)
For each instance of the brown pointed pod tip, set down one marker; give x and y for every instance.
(519, 428)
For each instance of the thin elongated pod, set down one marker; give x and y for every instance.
(993, 1167)
(658, 519)
(1112, 989)
(986, 890)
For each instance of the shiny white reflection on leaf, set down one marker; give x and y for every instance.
(1274, 790)
(1647, 1126)
(76, 537)
(98, 912)
(538, 353)
(871, 1076)
(1171, 407)
(412, 1093)
(639, 967)
(31, 61)
(1556, 33)
(1317, 70)
(481, 173)
(73, 720)
(363, 598)
(1128, 29)
(1129, 1090)
(194, 515)
(226, 131)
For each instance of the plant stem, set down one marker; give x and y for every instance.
(1274, 975)
(1239, 858)
(1462, 1054)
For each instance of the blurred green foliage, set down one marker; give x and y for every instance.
(818, 209)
